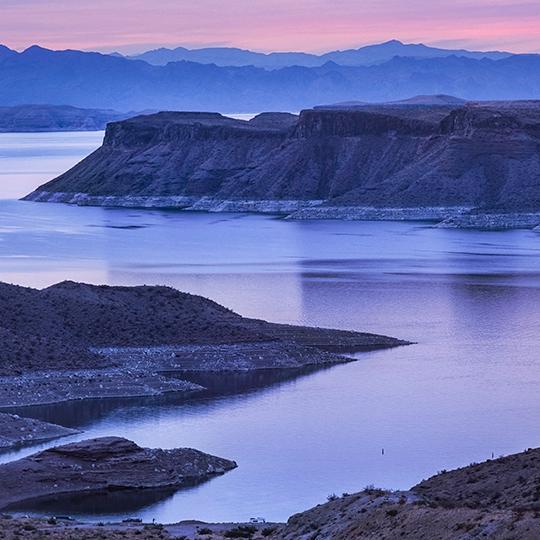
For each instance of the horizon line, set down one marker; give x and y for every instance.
(107, 50)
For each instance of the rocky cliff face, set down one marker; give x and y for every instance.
(484, 156)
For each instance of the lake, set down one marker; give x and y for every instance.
(468, 389)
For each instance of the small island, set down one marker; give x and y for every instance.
(101, 466)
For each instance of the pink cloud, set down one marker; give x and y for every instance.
(311, 25)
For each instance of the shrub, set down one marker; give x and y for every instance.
(242, 531)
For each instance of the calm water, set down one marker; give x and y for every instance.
(470, 387)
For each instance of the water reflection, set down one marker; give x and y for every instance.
(99, 503)
(469, 388)
(83, 413)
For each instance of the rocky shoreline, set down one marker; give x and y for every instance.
(17, 431)
(498, 499)
(156, 371)
(188, 203)
(493, 221)
(99, 342)
(102, 466)
(455, 217)
(48, 387)
(28, 528)
(472, 165)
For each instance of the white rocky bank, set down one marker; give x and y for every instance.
(461, 217)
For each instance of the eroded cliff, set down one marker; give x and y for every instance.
(455, 163)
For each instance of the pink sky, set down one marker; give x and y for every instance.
(310, 25)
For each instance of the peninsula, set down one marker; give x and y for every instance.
(76, 341)
(460, 164)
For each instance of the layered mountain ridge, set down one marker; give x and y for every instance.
(363, 56)
(99, 81)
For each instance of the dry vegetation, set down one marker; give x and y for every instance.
(54, 328)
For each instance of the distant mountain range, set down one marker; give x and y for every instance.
(34, 118)
(436, 100)
(99, 81)
(364, 56)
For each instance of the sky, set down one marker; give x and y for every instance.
(131, 26)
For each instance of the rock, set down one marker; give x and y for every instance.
(497, 499)
(17, 431)
(78, 341)
(81, 317)
(368, 162)
(105, 464)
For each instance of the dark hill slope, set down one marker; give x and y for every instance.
(484, 156)
(55, 328)
(497, 499)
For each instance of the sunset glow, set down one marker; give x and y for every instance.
(309, 25)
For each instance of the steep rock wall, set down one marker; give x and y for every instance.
(483, 156)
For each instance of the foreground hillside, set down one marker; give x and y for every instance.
(474, 164)
(497, 500)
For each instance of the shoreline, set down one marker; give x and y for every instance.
(159, 371)
(19, 432)
(21, 390)
(64, 527)
(103, 467)
(496, 499)
(84, 350)
(458, 217)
